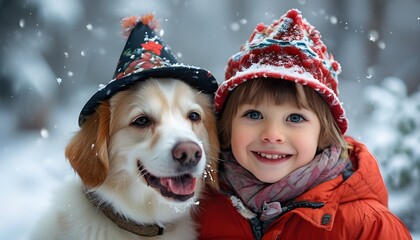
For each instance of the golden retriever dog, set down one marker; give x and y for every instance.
(142, 158)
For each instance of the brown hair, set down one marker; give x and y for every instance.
(280, 91)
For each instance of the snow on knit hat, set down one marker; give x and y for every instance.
(146, 56)
(289, 49)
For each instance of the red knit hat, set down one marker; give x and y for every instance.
(289, 49)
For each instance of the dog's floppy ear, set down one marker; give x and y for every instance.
(88, 149)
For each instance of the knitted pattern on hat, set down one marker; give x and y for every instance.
(288, 49)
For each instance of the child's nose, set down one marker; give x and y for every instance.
(273, 133)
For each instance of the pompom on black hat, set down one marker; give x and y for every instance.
(146, 56)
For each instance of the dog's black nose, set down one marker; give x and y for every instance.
(187, 153)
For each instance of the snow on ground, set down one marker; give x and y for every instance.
(32, 164)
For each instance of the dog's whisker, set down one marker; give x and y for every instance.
(143, 172)
(208, 174)
(215, 159)
(210, 147)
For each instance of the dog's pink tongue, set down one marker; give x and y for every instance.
(179, 186)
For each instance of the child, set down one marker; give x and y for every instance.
(287, 171)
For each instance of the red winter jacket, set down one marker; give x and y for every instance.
(352, 208)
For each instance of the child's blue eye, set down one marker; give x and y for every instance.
(253, 115)
(295, 118)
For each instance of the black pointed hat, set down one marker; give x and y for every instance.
(146, 56)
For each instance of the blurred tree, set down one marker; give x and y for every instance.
(392, 132)
(22, 61)
(374, 29)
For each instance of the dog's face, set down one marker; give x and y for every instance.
(154, 140)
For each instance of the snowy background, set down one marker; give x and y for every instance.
(55, 53)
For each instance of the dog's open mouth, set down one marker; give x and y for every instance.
(180, 188)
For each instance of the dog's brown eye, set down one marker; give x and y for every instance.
(194, 116)
(142, 121)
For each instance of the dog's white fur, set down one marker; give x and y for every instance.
(105, 154)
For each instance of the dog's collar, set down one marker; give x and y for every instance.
(124, 223)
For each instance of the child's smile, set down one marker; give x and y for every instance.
(271, 141)
(271, 157)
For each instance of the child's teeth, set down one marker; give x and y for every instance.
(272, 156)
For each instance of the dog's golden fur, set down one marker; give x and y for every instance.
(114, 151)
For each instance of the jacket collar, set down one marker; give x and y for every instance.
(365, 182)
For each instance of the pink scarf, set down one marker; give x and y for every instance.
(265, 198)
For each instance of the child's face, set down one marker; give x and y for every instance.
(272, 141)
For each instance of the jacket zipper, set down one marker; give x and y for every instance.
(259, 227)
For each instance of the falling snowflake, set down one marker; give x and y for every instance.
(373, 35)
(44, 133)
(381, 45)
(22, 23)
(89, 27)
(234, 26)
(333, 20)
(59, 80)
(161, 32)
